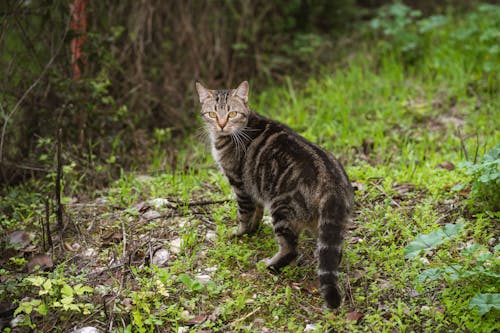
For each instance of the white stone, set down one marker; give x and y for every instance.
(159, 202)
(424, 260)
(203, 278)
(87, 329)
(175, 245)
(310, 328)
(90, 252)
(211, 235)
(211, 269)
(161, 257)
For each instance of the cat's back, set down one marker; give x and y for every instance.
(280, 162)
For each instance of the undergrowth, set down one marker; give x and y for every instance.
(413, 118)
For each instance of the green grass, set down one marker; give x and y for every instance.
(393, 120)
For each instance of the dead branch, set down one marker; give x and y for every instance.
(58, 181)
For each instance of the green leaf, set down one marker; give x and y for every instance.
(429, 241)
(67, 291)
(81, 289)
(43, 309)
(485, 302)
(430, 274)
(36, 280)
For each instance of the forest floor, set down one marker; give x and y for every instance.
(153, 253)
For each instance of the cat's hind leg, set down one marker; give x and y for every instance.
(287, 237)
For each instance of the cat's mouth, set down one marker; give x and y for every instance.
(222, 131)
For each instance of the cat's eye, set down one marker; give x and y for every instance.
(212, 115)
(232, 114)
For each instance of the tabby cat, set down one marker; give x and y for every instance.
(269, 165)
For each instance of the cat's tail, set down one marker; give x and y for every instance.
(329, 248)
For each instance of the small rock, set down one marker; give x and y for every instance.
(203, 278)
(175, 245)
(19, 239)
(259, 321)
(151, 215)
(310, 327)
(159, 202)
(211, 269)
(17, 320)
(183, 329)
(101, 201)
(90, 252)
(425, 308)
(185, 315)
(87, 329)
(161, 257)
(211, 235)
(424, 260)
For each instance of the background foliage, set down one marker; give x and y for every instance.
(140, 68)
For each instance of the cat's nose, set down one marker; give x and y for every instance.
(222, 124)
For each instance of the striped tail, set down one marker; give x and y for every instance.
(329, 250)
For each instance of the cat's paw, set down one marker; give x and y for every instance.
(270, 265)
(238, 232)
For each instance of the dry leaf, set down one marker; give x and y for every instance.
(447, 165)
(39, 261)
(197, 320)
(355, 316)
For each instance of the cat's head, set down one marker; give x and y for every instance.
(224, 111)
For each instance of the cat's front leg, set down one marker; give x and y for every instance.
(249, 214)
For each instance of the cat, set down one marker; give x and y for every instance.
(269, 165)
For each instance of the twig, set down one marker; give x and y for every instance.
(26, 167)
(58, 182)
(47, 225)
(245, 317)
(201, 203)
(378, 187)
(124, 236)
(462, 144)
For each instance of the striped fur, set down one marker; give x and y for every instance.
(269, 165)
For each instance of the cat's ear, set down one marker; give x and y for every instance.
(203, 93)
(242, 91)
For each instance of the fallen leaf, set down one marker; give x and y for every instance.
(69, 247)
(39, 261)
(142, 206)
(151, 215)
(197, 320)
(447, 165)
(355, 316)
(112, 237)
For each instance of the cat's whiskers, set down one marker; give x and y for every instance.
(203, 134)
